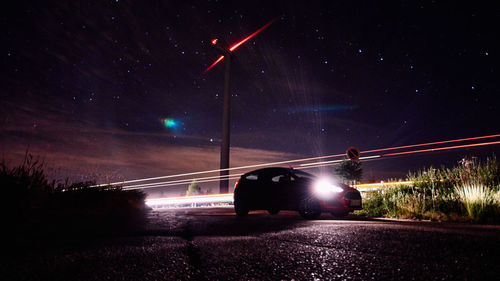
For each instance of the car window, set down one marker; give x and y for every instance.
(282, 178)
(277, 178)
(301, 174)
(252, 177)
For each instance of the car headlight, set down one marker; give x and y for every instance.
(325, 188)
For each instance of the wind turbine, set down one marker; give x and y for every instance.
(225, 53)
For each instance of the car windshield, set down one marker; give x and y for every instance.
(303, 175)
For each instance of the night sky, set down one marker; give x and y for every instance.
(88, 85)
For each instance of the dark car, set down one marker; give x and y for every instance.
(275, 189)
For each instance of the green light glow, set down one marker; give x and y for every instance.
(170, 123)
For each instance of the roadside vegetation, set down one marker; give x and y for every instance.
(469, 191)
(34, 205)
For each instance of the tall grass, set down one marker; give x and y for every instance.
(469, 190)
(477, 199)
(33, 204)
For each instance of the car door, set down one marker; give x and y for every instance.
(260, 195)
(283, 183)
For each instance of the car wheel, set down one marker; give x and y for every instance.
(340, 214)
(240, 208)
(273, 211)
(309, 208)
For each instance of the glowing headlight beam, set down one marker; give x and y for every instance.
(235, 46)
(325, 188)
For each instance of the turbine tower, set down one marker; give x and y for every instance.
(225, 53)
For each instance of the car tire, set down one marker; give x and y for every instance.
(240, 208)
(273, 211)
(340, 214)
(309, 208)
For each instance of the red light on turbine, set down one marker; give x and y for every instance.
(233, 47)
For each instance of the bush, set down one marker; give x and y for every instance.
(373, 204)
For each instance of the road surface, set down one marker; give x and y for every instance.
(213, 244)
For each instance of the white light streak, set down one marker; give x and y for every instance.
(182, 181)
(173, 184)
(213, 198)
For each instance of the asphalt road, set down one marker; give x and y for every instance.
(213, 244)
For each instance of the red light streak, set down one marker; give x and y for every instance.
(214, 41)
(235, 46)
(430, 143)
(213, 64)
(441, 148)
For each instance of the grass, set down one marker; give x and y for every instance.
(468, 191)
(478, 200)
(34, 205)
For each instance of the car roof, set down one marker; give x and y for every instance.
(270, 170)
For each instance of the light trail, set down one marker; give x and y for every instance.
(311, 165)
(182, 181)
(235, 46)
(441, 148)
(382, 183)
(212, 198)
(228, 169)
(230, 177)
(177, 184)
(296, 160)
(430, 143)
(228, 197)
(336, 161)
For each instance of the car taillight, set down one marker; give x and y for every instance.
(236, 184)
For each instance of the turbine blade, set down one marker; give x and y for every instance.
(213, 64)
(232, 48)
(235, 46)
